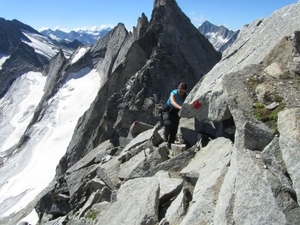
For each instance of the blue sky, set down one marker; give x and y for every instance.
(72, 14)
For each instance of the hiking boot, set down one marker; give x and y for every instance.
(164, 138)
(169, 145)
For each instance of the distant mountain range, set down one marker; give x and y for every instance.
(86, 37)
(219, 36)
(24, 44)
(17, 36)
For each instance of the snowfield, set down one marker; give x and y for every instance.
(30, 169)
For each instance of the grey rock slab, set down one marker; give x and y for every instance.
(137, 203)
(209, 158)
(169, 187)
(175, 163)
(289, 141)
(93, 198)
(97, 209)
(254, 201)
(138, 140)
(89, 159)
(139, 165)
(108, 172)
(127, 167)
(272, 158)
(77, 179)
(138, 127)
(274, 70)
(178, 209)
(210, 165)
(223, 212)
(254, 194)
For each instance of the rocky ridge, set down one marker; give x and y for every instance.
(17, 43)
(86, 37)
(231, 164)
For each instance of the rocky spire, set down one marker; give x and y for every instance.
(149, 63)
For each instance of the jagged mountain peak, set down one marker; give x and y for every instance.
(12, 34)
(220, 36)
(168, 13)
(207, 27)
(16, 25)
(138, 61)
(142, 25)
(168, 3)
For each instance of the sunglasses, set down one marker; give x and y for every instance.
(182, 92)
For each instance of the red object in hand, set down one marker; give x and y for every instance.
(196, 104)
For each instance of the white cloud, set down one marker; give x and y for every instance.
(198, 20)
(62, 29)
(95, 28)
(92, 28)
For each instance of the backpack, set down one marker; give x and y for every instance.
(165, 115)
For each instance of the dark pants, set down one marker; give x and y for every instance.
(170, 131)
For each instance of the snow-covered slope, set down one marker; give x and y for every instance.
(43, 45)
(2, 59)
(21, 99)
(25, 173)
